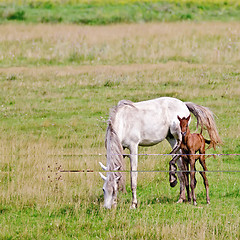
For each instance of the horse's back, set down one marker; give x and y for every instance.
(169, 108)
(148, 122)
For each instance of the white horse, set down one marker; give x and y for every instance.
(145, 124)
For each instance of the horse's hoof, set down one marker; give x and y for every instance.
(133, 206)
(174, 183)
(195, 203)
(180, 200)
(208, 202)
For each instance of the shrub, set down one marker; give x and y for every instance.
(13, 14)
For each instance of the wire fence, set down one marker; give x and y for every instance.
(127, 155)
(154, 171)
(59, 168)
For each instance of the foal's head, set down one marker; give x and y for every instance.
(184, 124)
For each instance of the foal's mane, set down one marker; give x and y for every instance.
(114, 146)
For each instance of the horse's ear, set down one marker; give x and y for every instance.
(102, 176)
(179, 118)
(117, 179)
(103, 166)
(117, 168)
(188, 117)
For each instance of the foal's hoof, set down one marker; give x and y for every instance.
(174, 183)
(180, 200)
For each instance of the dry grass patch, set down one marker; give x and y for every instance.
(55, 115)
(204, 43)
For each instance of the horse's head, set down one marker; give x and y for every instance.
(184, 124)
(110, 188)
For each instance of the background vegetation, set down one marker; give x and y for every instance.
(57, 83)
(110, 11)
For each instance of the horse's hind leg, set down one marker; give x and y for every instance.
(175, 133)
(205, 180)
(172, 163)
(172, 171)
(195, 180)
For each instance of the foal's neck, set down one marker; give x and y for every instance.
(185, 138)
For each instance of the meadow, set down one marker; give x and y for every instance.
(57, 84)
(102, 12)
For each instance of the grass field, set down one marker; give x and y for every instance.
(57, 83)
(103, 12)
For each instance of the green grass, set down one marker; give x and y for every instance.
(108, 12)
(54, 109)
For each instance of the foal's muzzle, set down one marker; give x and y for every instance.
(183, 134)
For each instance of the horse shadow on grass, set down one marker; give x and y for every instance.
(160, 200)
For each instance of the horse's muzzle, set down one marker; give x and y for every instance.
(173, 184)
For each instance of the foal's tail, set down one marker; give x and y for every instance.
(205, 118)
(115, 155)
(207, 141)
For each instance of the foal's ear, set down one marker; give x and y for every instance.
(188, 117)
(179, 118)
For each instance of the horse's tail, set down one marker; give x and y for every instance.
(206, 119)
(115, 155)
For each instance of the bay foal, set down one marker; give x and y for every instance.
(191, 144)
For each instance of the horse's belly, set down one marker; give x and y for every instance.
(148, 142)
(152, 137)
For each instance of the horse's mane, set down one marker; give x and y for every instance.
(114, 146)
(114, 110)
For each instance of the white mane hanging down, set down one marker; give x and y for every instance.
(114, 147)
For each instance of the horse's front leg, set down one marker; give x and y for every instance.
(182, 179)
(134, 174)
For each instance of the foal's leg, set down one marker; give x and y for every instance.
(187, 179)
(192, 176)
(205, 180)
(195, 180)
(134, 174)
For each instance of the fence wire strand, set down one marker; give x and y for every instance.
(140, 154)
(128, 155)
